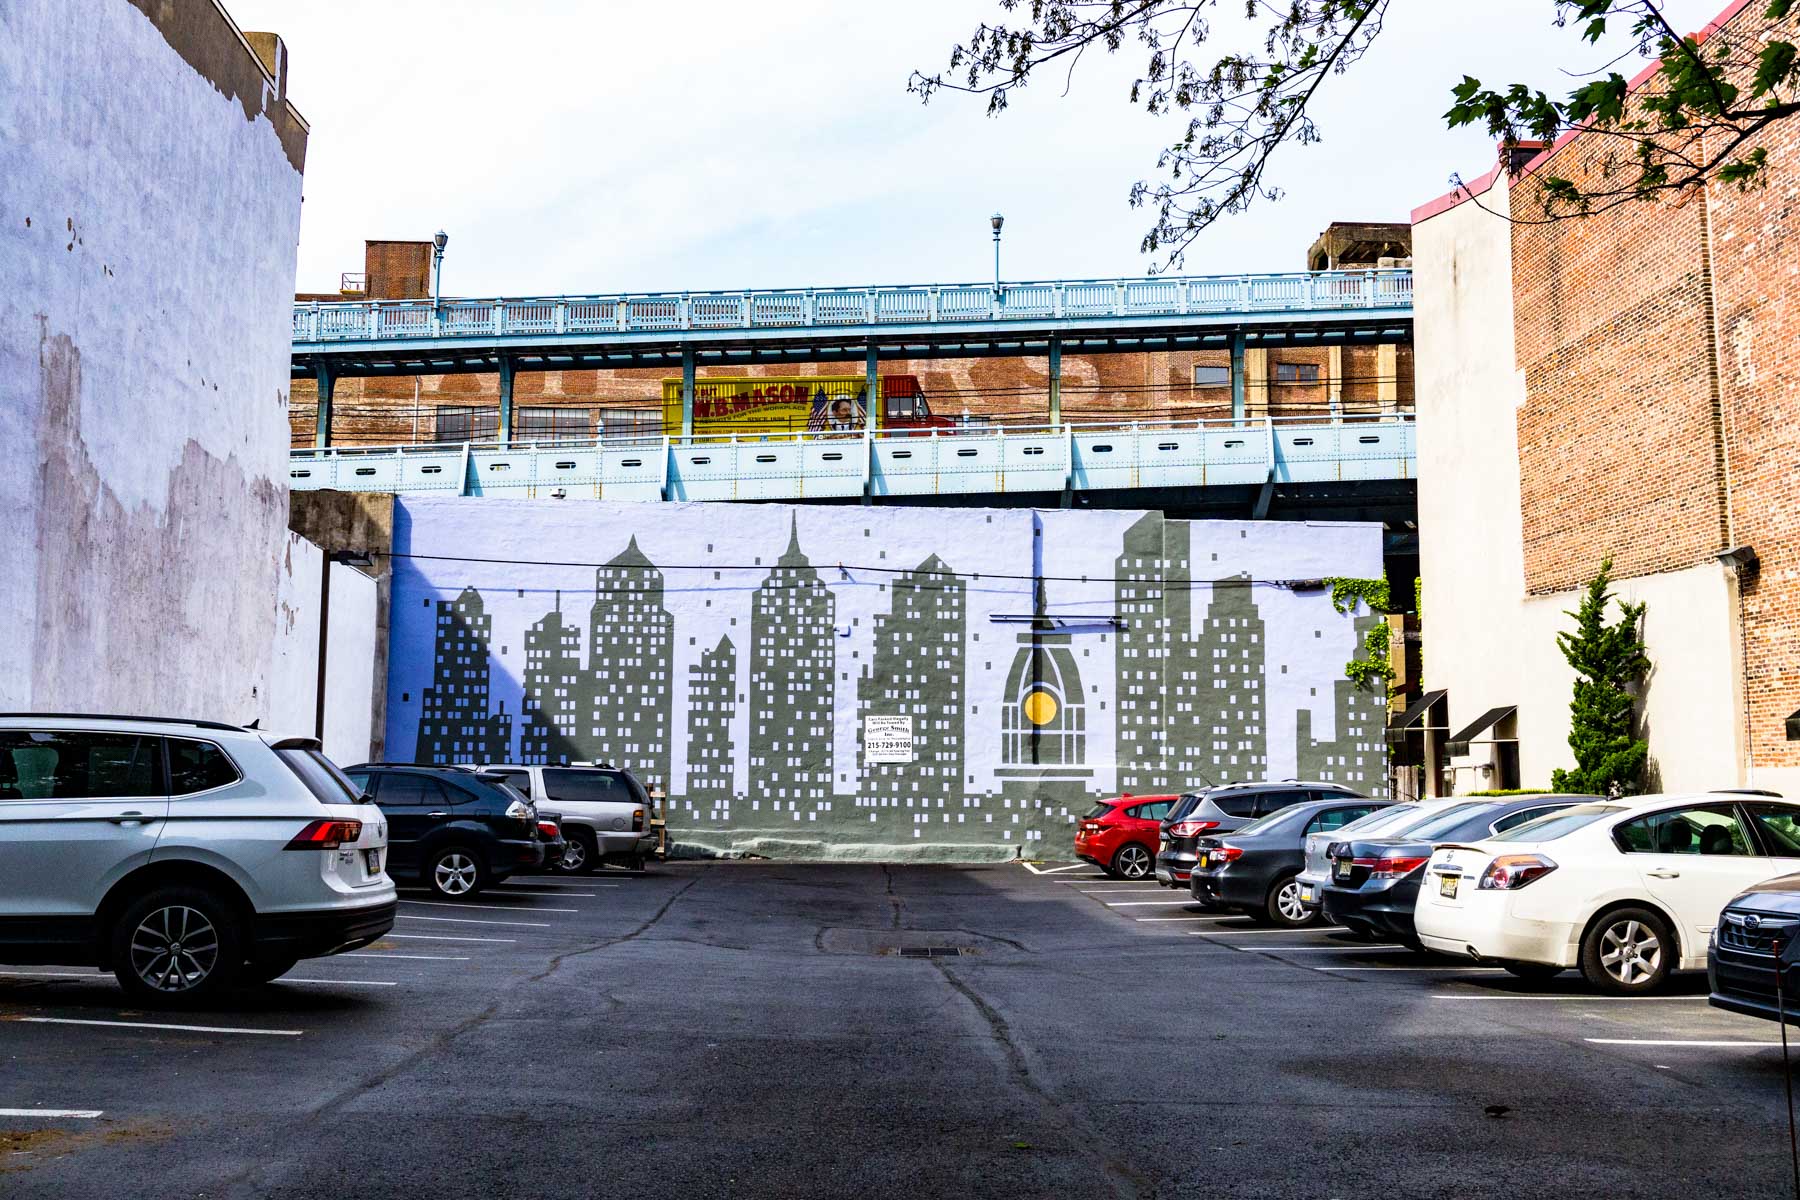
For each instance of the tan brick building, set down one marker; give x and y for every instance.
(581, 403)
(1622, 385)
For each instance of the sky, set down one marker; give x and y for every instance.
(592, 147)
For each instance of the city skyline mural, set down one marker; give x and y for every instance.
(862, 681)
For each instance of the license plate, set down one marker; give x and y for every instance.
(1447, 885)
(1306, 894)
(1162, 846)
(372, 859)
(1200, 862)
(1342, 869)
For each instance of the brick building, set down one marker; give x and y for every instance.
(582, 403)
(1616, 385)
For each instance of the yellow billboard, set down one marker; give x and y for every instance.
(768, 405)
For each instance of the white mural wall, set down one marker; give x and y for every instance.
(842, 680)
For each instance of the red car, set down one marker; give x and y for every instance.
(1119, 836)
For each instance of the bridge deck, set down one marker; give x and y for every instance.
(800, 467)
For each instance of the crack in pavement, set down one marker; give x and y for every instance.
(893, 897)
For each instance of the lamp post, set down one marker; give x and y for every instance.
(439, 240)
(996, 221)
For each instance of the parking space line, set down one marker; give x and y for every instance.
(1051, 870)
(75, 1114)
(1663, 1042)
(342, 982)
(1389, 949)
(1438, 970)
(153, 1025)
(444, 937)
(557, 890)
(490, 907)
(474, 921)
(1580, 999)
(1148, 919)
(415, 957)
(1149, 903)
(1251, 932)
(56, 974)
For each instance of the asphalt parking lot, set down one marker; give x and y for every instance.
(769, 1029)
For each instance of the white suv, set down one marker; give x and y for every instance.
(605, 812)
(184, 856)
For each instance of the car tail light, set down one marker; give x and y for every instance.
(325, 835)
(1510, 872)
(637, 820)
(1392, 866)
(549, 830)
(1225, 854)
(1183, 829)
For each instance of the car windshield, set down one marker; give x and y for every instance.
(1557, 824)
(1423, 825)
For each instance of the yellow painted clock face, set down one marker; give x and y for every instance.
(1040, 708)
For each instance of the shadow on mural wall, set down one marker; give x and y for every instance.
(881, 683)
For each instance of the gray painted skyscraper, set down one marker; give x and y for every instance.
(793, 657)
(1143, 642)
(550, 709)
(454, 723)
(626, 694)
(916, 670)
(712, 705)
(1357, 756)
(1219, 732)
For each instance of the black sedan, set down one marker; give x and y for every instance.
(1756, 937)
(1252, 869)
(1373, 885)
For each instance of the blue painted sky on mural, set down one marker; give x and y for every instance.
(571, 147)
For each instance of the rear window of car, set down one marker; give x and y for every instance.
(1235, 804)
(320, 775)
(587, 787)
(197, 767)
(77, 765)
(1557, 824)
(1184, 805)
(1099, 810)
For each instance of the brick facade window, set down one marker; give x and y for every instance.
(1206, 376)
(1296, 372)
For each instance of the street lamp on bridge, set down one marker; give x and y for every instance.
(439, 240)
(996, 221)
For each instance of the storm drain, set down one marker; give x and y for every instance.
(927, 951)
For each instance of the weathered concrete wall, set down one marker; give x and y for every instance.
(149, 211)
(742, 656)
(354, 620)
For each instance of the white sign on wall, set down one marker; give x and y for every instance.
(887, 739)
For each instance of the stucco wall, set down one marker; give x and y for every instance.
(149, 211)
(354, 625)
(735, 654)
(1486, 641)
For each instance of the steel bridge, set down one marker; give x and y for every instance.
(730, 329)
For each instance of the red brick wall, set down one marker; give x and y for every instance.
(397, 270)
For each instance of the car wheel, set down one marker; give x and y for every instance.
(267, 970)
(1132, 861)
(1628, 952)
(177, 945)
(455, 872)
(1535, 972)
(1283, 907)
(580, 856)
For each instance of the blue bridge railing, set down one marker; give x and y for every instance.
(1264, 451)
(828, 308)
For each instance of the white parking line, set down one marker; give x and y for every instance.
(474, 921)
(444, 937)
(54, 975)
(1284, 933)
(78, 1114)
(1149, 903)
(415, 957)
(1325, 949)
(1184, 918)
(1580, 999)
(1656, 1042)
(150, 1025)
(491, 907)
(1437, 970)
(1051, 870)
(556, 890)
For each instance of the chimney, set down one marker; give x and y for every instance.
(1515, 156)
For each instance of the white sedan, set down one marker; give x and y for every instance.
(1628, 890)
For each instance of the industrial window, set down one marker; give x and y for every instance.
(462, 424)
(1296, 372)
(631, 423)
(542, 423)
(1212, 377)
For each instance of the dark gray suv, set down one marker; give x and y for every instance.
(1221, 809)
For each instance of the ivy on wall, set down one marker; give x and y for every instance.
(1370, 668)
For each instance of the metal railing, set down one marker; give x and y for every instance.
(924, 304)
(1047, 458)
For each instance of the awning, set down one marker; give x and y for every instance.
(1459, 742)
(1413, 719)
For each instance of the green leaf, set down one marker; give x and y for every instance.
(1774, 67)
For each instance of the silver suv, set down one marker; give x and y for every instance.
(606, 814)
(184, 856)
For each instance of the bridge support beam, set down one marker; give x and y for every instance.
(322, 422)
(871, 392)
(506, 401)
(687, 391)
(1056, 381)
(1237, 376)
